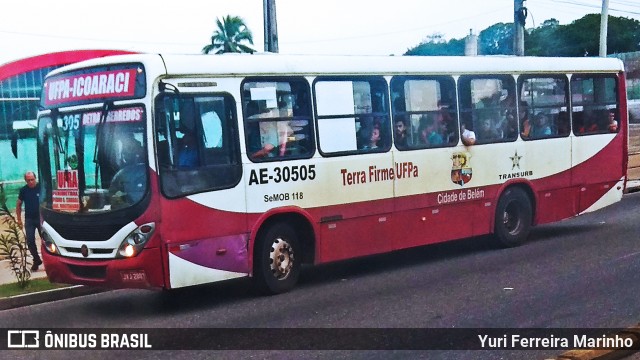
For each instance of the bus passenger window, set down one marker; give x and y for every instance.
(489, 103)
(544, 105)
(594, 104)
(197, 150)
(352, 115)
(424, 107)
(277, 119)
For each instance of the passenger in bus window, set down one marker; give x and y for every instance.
(589, 124)
(129, 150)
(188, 152)
(399, 104)
(400, 131)
(525, 124)
(487, 131)
(564, 128)
(370, 137)
(285, 131)
(129, 183)
(266, 140)
(447, 123)
(540, 126)
(613, 124)
(507, 125)
(468, 136)
(429, 132)
(443, 116)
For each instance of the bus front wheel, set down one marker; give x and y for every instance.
(513, 218)
(276, 259)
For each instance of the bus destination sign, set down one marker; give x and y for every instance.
(77, 88)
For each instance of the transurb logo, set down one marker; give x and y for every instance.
(461, 171)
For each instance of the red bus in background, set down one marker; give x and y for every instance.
(55, 59)
(20, 87)
(21, 83)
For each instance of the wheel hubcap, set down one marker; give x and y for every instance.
(511, 218)
(281, 258)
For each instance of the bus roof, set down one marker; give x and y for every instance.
(279, 64)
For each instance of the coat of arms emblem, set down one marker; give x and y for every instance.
(461, 171)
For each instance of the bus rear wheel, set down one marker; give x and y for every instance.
(276, 260)
(513, 218)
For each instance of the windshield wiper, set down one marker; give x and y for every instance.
(103, 119)
(59, 149)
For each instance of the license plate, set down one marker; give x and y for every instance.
(133, 276)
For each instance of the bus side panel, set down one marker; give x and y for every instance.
(597, 166)
(437, 223)
(203, 244)
(355, 237)
(429, 206)
(350, 198)
(556, 204)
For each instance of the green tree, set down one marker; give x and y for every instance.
(580, 38)
(436, 45)
(623, 35)
(229, 35)
(497, 39)
(542, 41)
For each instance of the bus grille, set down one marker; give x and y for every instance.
(89, 272)
(93, 232)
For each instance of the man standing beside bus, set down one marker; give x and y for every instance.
(30, 196)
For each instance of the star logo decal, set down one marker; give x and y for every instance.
(515, 159)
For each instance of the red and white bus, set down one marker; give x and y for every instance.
(170, 171)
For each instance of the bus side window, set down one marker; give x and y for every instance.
(353, 114)
(424, 111)
(197, 151)
(490, 102)
(543, 106)
(594, 98)
(277, 118)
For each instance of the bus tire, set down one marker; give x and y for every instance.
(277, 259)
(513, 220)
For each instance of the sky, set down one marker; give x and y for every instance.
(349, 27)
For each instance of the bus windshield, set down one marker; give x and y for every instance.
(94, 160)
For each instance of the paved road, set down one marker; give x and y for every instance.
(580, 273)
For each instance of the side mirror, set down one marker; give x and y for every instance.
(14, 144)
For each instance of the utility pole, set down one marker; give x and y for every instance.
(604, 20)
(519, 20)
(270, 26)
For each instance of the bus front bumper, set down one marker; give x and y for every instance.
(142, 271)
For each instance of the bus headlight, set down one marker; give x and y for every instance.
(49, 245)
(134, 242)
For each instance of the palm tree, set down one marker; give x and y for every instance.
(229, 35)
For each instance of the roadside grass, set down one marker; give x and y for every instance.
(35, 285)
